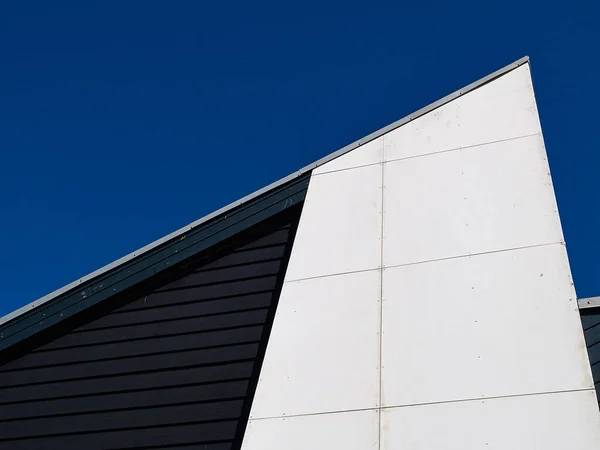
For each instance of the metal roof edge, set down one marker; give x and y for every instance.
(448, 98)
(588, 303)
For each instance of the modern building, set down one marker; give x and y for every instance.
(411, 291)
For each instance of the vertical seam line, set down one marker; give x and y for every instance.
(379, 404)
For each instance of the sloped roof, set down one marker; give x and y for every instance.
(279, 195)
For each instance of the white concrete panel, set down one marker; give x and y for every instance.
(323, 352)
(369, 153)
(340, 226)
(490, 325)
(562, 421)
(356, 430)
(487, 198)
(503, 109)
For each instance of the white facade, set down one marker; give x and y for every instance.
(428, 302)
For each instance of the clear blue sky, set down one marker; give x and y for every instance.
(121, 121)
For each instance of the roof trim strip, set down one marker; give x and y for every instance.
(588, 303)
(477, 84)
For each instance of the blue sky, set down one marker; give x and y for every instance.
(123, 121)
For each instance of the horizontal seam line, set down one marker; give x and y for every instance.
(494, 397)
(332, 275)
(427, 261)
(474, 254)
(349, 168)
(375, 408)
(482, 144)
(428, 154)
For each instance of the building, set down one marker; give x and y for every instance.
(410, 291)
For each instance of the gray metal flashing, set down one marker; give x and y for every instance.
(588, 303)
(182, 231)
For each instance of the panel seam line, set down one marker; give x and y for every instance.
(449, 258)
(379, 404)
(333, 275)
(425, 261)
(442, 402)
(437, 152)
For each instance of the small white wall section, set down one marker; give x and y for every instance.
(565, 421)
(486, 198)
(345, 234)
(428, 302)
(491, 325)
(327, 341)
(503, 109)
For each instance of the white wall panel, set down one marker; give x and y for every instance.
(323, 352)
(564, 421)
(503, 109)
(369, 153)
(357, 430)
(340, 226)
(503, 323)
(487, 198)
(477, 343)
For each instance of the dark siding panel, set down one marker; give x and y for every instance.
(193, 309)
(246, 257)
(590, 320)
(127, 383)
(279, 237)
(142, 347)
(210, 292)
(115, 420)
(176, 368)
(158, 437)
(594, 353)
(171, 328)
(592, 335)
(132, 400)
(113, 367)
(205, 277)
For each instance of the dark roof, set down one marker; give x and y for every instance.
(162, 258)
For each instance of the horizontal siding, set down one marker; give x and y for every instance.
(112, 367)
(590, 320)
(126, 383)
(173, 369)
(133, 400)
(135, 418)
(135, 438)
(142, 347)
